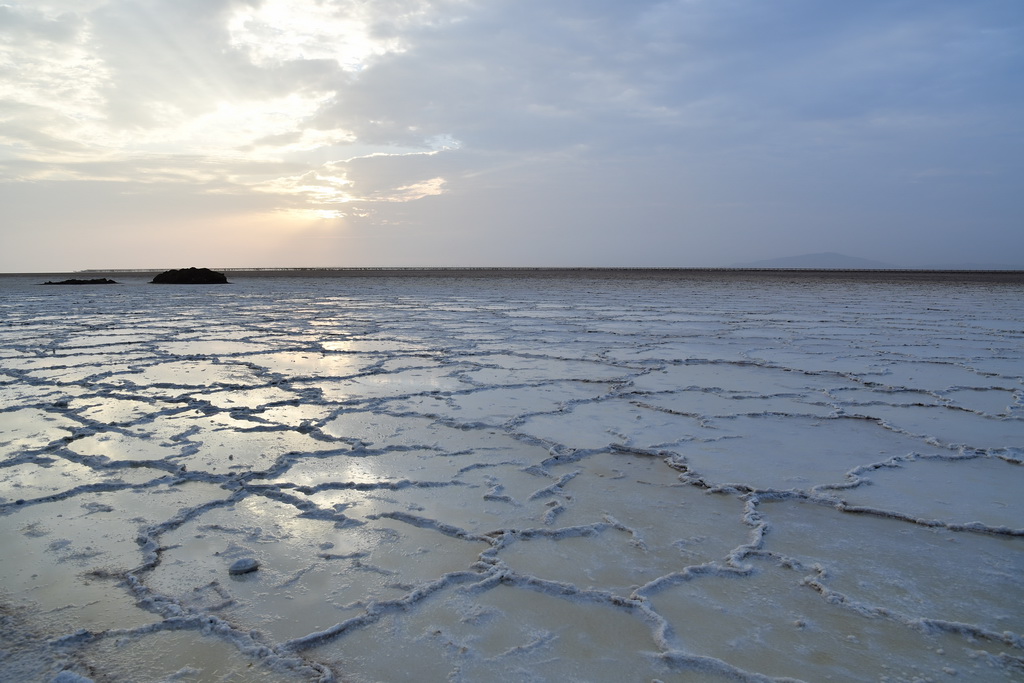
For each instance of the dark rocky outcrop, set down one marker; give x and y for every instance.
(190, 276)
(75, 281)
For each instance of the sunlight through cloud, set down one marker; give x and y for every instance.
(234, 125)
(280, 31)
(313, 186)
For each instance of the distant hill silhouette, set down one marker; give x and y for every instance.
(826, 259)
(831, 260)
(975, 266)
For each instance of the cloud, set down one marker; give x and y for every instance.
(314, 187)
(33, 25)
(278, 31)
(363, 181)
(431, 187)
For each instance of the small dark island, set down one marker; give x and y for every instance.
(75, 281)
(190, 276)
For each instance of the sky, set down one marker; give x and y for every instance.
(354, 133)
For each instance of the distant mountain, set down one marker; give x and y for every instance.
(824, 260)
(974, 266)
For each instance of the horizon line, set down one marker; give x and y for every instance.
(339, 269)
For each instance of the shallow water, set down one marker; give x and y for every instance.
(582, 477)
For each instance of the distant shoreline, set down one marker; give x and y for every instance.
(1004, 276)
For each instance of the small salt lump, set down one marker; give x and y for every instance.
(244, 566)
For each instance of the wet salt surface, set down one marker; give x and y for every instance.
(581, 478)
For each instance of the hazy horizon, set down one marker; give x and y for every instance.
(446, 133)
(812, 262)
(766, 267)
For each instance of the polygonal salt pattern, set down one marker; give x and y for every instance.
(582, 477)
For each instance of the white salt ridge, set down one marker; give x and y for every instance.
(575, 478)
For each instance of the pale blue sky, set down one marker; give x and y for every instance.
(231, 133)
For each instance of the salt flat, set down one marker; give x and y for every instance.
(517, 476)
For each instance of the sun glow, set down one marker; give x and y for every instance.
(315, 214)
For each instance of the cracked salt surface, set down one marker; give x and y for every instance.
(591, 476)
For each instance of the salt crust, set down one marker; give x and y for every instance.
(406, 457)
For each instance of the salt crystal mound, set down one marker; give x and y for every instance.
(586, 478)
